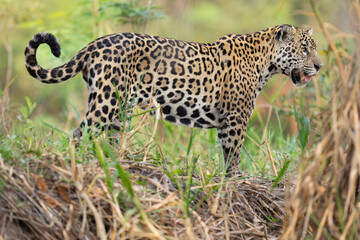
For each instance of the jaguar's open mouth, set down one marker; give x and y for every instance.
(299, 78)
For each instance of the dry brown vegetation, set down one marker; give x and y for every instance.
(325, 202)
(56, 207)
(52, 200)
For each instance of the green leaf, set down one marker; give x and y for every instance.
(281, 173)
(191, 140)
(304, 132)
(303, 125)
(101, 157)
(55, 128)
(24, 112)
(125, 180)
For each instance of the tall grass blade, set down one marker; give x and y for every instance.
(281, 173)
(104, 165)
(125, 180)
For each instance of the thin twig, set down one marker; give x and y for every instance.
(331, 43)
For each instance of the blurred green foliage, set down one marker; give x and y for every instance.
(134, 13)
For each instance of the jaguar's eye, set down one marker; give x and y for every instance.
(304, 50)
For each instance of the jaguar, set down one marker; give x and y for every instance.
(204, 85)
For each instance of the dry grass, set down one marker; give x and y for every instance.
(52, 198)
(55, 206)
(325, 202)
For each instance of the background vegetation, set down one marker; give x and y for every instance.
(37, 120)
(77, 23)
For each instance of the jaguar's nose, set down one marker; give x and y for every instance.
(318, 66)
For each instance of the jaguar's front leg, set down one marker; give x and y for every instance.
(231, 136)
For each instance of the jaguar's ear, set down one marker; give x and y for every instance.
(285, 33)
(307, 29)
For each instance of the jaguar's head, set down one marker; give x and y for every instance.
(295, 54)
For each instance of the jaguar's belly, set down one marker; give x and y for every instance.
(184, 110)
(201, 116)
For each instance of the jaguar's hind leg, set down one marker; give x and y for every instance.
(103, 103)
(232, 136)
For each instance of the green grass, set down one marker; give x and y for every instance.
(177, 144)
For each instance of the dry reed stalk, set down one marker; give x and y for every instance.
(324, 203)
(158, 117)
(271, 158)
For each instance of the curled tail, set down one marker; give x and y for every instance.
(54, 75)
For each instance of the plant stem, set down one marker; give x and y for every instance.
(331, 43)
